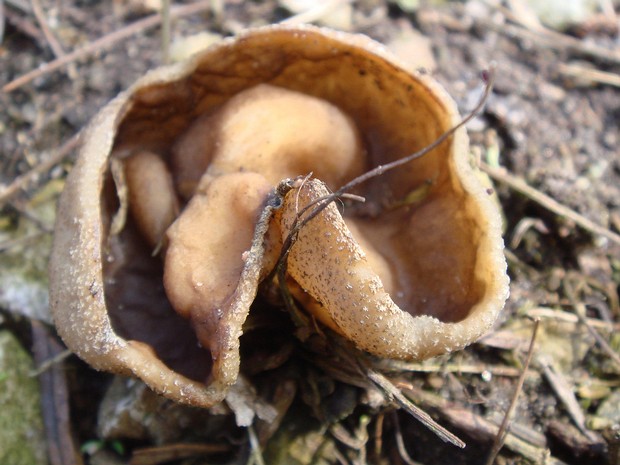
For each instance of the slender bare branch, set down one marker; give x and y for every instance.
(105, 42)
(500, 438)
(519, 185)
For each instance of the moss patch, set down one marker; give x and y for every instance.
(21, 426)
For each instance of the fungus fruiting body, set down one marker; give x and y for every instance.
(154, 270)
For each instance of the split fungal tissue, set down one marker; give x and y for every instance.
(171, 217)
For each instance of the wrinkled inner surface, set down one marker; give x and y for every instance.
(428, 243)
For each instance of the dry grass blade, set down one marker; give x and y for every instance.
(519, 185)
(105, 42)
(500, 438)
(564, 392)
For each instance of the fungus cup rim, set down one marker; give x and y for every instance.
(76, 266)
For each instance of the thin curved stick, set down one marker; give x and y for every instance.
(502, 433)
(104, 43)
(321, 203)
(311, 210)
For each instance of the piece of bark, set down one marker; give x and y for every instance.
(62, 449)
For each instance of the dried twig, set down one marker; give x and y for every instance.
(518, 184)
(365, 376)
(554, 40)
(354, 441)
(20, 182)
(500, 438)
(589, 75)
(24, 25)
(106, 42)
(400, 443)
(560, 315)
(603, 344)
(521, 430)
(541, 38)
(396, 394)
(311, 210)
(494, 370)
(49, 36)
(464, 419)
(581, 314)
(51, 362)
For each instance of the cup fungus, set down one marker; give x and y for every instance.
(178, 207)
